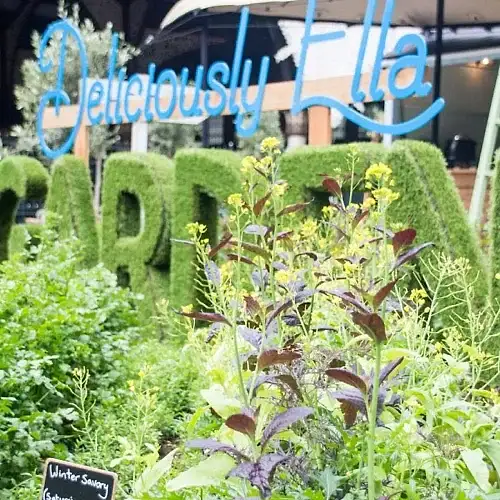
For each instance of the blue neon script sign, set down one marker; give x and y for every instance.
(223, 81)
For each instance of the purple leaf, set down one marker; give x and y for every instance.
(256, 230)
(283, 421)
(203, 316)
(290, 381)
(360, 215)
(260, 473)
(347, 377)
(260, 278)
(293, 208)
(347, 298)
(223, 242)
(253, 337)
(213, 331)
(381, 295)
(299, 298)
(274, 357)
(403, 239)
(259, 206)
(389, 368)
(242, 423)
(332, 186)
(240, 258)
(215, 446)
(372, 324)
(251, 305)
(212, 272)
(411, 254)
(256, 249)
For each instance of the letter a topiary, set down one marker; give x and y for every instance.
(136, 208)
(12, 191)
(70, 197)
(204, 179)
(37, 185)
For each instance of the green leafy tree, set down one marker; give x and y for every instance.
(167, 138)
(269, 127)
(35, 84)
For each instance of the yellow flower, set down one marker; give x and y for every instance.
(195, 228)
(141, 374)
(280, 189)
(497, 276)
(378, 171)
(248, 163)
(131, 386)
(269, 144)
(187, 309)
(283, 276)
(418, 296)
(439, 346)
(235, 200)
(369, 203)
(349, 268)
(309, 228)
(385, 194)
(327, 211)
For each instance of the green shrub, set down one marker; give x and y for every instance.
(55, 317)
(203, 180)
(136, 208)
(70, 196)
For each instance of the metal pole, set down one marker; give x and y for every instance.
(437, 66)
(204, 63)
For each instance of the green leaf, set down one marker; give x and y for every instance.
(330, 483)
(492, 451)
(474, 459)
(152, 475)
(222, 404)
(210, 472)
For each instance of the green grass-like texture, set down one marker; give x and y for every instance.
(495, 233)
(36, 186)
(136, 208)
(204, 179)
(12, 191)
(70, 197)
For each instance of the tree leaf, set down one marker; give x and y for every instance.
(381, 295)
(242, 423)
(347, 377)
(273, 357)
(203, 316)
(372, 324)
(226, 238)
(253, 337)
(259, 206)
(403, 239)
(210, 472)
(411, 254)
(283, 421)
(293, 208)
(256, 230)
(216, 446)
(212, 273)
(332, 186)
(474, 460)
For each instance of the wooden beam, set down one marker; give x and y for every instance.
(277, 97)
(82, 145)
(320, 126)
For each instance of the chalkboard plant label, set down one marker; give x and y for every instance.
(67, 481)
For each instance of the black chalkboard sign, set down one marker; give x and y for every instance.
(67, 481)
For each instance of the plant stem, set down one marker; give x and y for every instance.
(372, 419)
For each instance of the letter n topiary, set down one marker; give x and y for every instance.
(204, 179)
(136, 208)
(70, 197)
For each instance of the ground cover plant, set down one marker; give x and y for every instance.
(326, 372)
